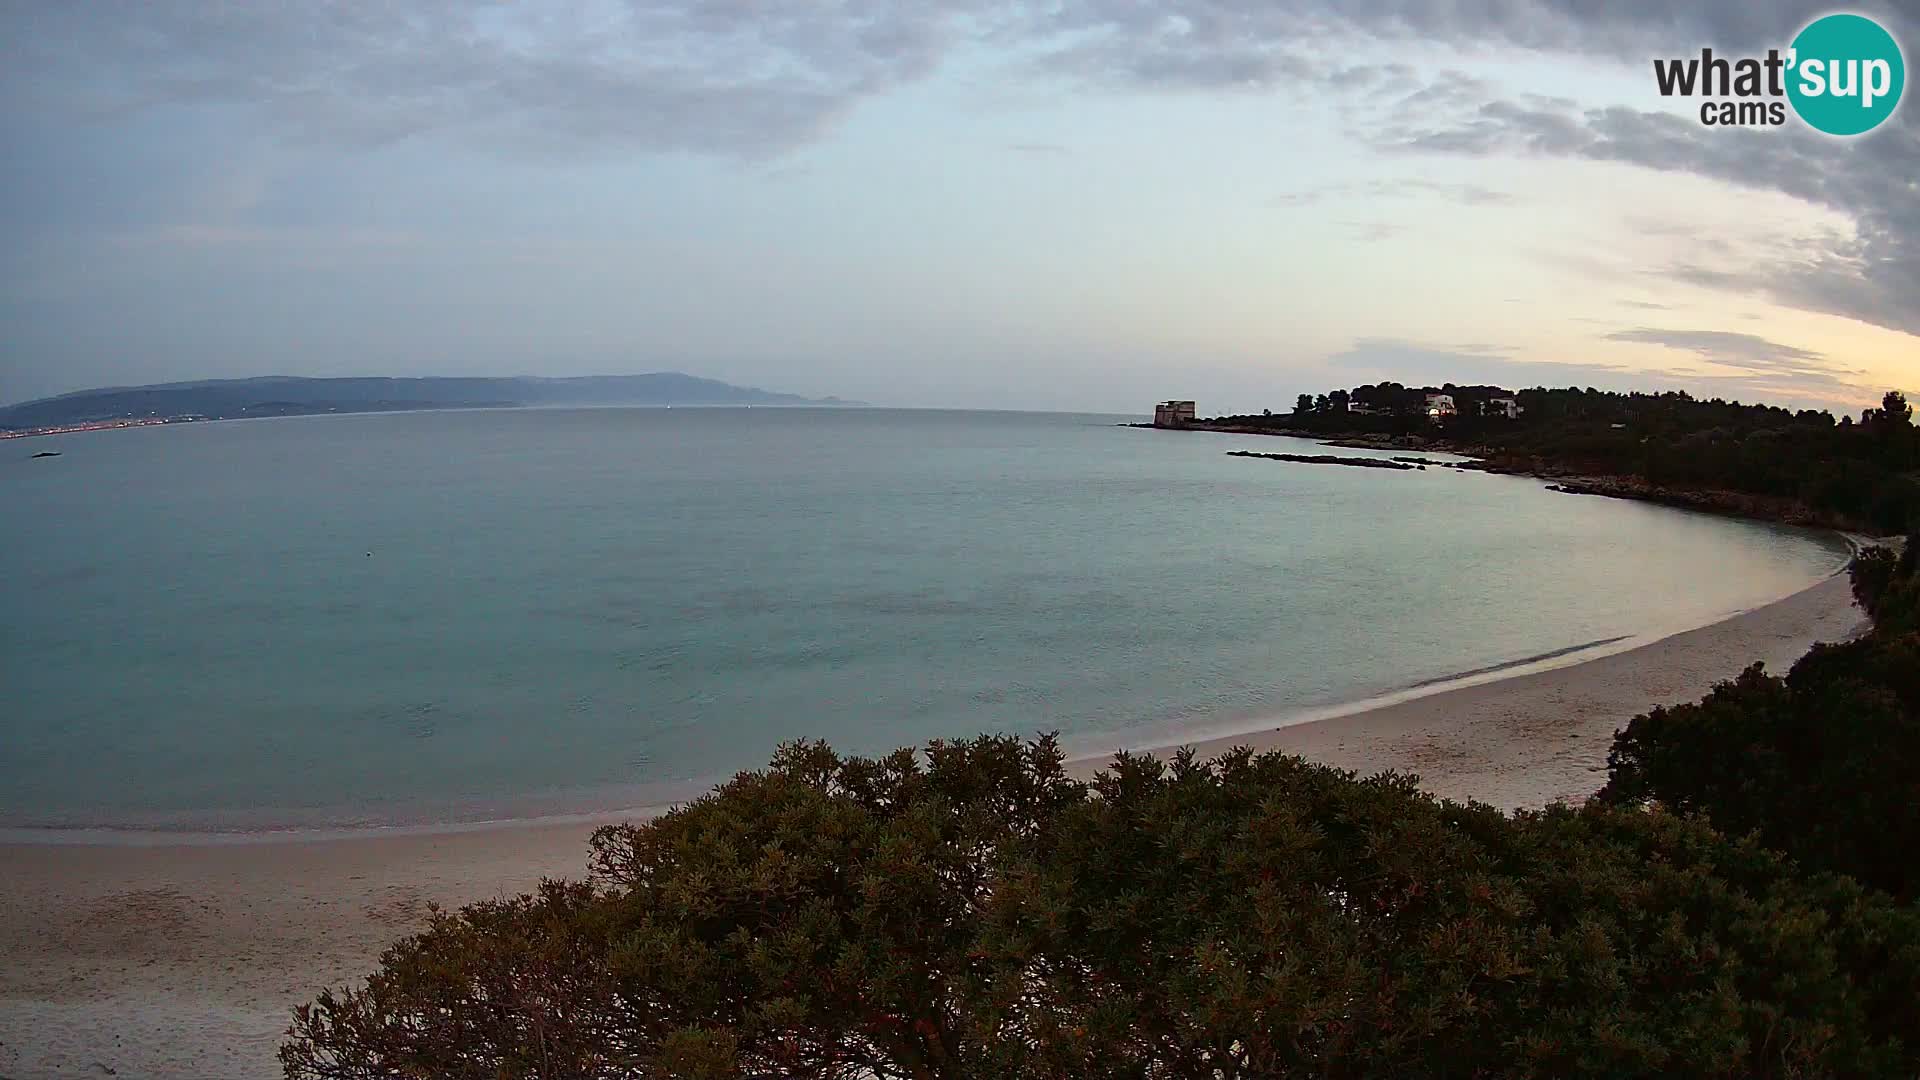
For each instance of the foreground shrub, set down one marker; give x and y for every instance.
(974, 913)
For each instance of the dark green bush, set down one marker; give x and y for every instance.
(972, 912)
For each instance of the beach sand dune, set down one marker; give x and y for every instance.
(183, 960)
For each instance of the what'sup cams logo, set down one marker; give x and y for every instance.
(1843, 75)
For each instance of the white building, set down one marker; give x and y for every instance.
(1439, 405)
(1501, 406)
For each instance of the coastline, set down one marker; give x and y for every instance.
(1538, 737)
(182, 959)
(1563, 479)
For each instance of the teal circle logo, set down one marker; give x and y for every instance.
(1845, 74)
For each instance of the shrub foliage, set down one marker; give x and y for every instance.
(971, 911)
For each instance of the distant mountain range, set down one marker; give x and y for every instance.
(284, 395)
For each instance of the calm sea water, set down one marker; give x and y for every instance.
(447, 616)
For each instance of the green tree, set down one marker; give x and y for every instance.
(1303, 403)
(1895, 410)
(974, 912)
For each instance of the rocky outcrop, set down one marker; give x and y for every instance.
(1329, 459)
(1709, 500)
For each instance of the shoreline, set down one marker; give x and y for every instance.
(1717, 501)
(1092, 750)
(183, 959)
(1531, 738)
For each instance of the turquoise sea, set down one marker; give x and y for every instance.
(450, 616)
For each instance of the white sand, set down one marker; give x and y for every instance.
(1541, 738)
(184, 960)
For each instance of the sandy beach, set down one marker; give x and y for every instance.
(183, 960)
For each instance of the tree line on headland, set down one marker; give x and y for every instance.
(1739, 901)
(1807, 465)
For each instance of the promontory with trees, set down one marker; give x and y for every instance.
(1739, 901)
(1806, 466)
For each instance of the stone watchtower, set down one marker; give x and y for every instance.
(1173, 414)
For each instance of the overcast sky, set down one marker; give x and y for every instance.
(1082, 204)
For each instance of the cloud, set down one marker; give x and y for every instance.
(1773, 372)
(760, 78)
(1414, 363)
(726, 78)
(1749, 352)
(1464, 194)
(1237, 44)
(1872, 276)
(757, 80)
(1372, 232)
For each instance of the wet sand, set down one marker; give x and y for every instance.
(183, 960)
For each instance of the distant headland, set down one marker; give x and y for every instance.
(1759, 461)
(284, 395)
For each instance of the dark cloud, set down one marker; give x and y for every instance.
(1251, 43)
(1622, 28)
(755, 78)
(1872, 275)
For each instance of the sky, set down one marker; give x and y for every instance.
(1078, 205)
